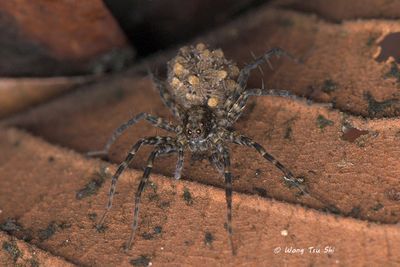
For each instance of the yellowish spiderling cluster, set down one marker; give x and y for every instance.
(200, 76)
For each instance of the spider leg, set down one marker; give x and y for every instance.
(288, 176)
(145, 141)
(154, 120)
(162, 149)
(216, 162)
(235, 110)
(228, 196)
(166, 96)
(245, 72)
(179, 163)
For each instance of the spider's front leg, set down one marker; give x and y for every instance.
(154, 120)
(165, 148)
(228, 195)
(179, 163)
(145, 141)
(288, 176)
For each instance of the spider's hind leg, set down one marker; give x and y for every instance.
(245, 72)
(288, 177)
(237, 107)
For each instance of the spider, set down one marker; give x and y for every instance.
(207, 94)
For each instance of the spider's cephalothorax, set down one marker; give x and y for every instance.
(199, 128)
(206, 93)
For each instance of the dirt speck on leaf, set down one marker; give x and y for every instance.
(156, 231)
(393, 195)
(141, 261)
(92, 216)
(377, 207)
(208, 239)
(94, 185)
(289, 129)
(329, 86)
(260, 191)
(12, 249)
(323, 122)
(393, 72)
(51, 229)
(377, 108)
(355, 212)
(45, 234)
(187, 196)
(10, 226)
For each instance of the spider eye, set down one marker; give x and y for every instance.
(189, 132)
(198, 131)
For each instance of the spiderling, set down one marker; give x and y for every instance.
(206, 93)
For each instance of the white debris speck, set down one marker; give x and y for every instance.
(284, 232)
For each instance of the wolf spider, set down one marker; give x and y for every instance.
(207, 94)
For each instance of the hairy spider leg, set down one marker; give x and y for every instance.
(216, 162)
(154, 120)
(166, 97)
(155, 140)
(288, 176)
(179, 163)
(162, 149)
(228, 196)
(245, 72)
(236, 109)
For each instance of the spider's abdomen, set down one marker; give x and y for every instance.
(199, 76)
